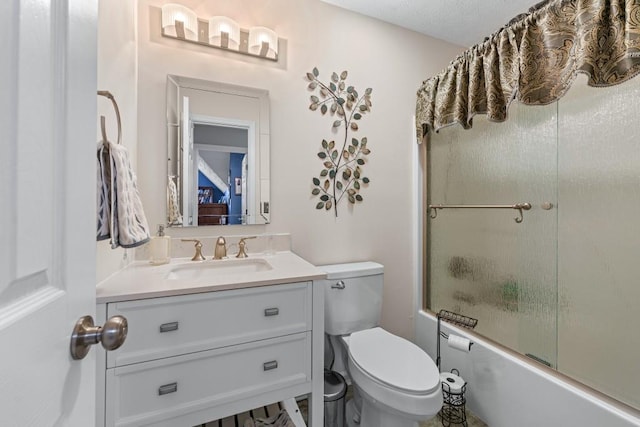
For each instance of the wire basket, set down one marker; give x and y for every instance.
(453, 404)
(457, 319)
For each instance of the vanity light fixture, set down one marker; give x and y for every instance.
(220, 32)
(263, 42)
(179, 22)
(224, 32)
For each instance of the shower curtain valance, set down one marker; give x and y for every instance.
(534, 59)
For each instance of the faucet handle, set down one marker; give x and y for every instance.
(198, 256)
(242, 245)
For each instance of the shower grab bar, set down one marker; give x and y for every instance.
(433, 209)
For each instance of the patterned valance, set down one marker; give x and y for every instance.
(534, 59)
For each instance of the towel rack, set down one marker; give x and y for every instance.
(433, 209)
(108, 94)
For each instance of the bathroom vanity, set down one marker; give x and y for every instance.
(211, 339)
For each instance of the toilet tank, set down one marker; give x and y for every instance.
(353, 297)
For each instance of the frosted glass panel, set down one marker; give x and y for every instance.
(599, 240)
(563, 286)
(481, 262)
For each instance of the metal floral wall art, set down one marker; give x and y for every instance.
(342, 173)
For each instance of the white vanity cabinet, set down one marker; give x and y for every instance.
(196, 357)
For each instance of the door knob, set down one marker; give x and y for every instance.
(85, 334)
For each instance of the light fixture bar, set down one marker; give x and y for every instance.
(219, 32)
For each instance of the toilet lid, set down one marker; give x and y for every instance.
(394, 361)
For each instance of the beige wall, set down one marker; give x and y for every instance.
(391, 60)
(117, 73)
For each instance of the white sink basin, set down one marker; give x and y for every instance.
(216, 268)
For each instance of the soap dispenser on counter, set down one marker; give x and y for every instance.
(160, 247)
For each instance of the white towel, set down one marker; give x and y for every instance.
(103, 194)
(120, 214)
(173, 210)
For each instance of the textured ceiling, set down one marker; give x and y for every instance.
(462, 22)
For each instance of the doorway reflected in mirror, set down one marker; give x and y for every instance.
(221, 158)
(218, 146)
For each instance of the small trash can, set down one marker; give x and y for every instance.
(335, 389)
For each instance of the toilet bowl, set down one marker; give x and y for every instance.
(396, 384)
(399, 383)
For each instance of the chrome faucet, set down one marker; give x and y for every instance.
(220, 251)
(242, 247)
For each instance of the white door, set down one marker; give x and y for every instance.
(47, 209)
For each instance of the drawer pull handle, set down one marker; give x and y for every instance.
(168, 327)
(271, 311)
(270, 365)
(167, 388)
(338, 285)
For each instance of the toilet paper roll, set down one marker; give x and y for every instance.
(452, 383)
(459, 343)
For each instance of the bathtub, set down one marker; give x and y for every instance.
(506, 390)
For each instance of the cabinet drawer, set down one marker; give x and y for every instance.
(170, 326)
(152, 392)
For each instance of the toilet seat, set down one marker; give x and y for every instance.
(394, 374)
(394, 362)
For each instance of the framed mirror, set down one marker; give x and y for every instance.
(218, 153)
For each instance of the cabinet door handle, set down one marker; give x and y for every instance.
(167, 388)
(274, 311)
(168, 327)
(267, 366)
(338, 285)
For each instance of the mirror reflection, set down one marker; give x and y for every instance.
(222, 164)
(218, 145)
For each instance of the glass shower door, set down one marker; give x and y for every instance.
(562, 286)
(599, 238)
(481, 262)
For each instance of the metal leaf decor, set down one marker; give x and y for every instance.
(342, 173)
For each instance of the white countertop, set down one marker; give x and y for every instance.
(142, 280)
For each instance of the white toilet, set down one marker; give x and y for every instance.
(396, 383)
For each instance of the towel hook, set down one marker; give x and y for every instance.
(108, 94)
